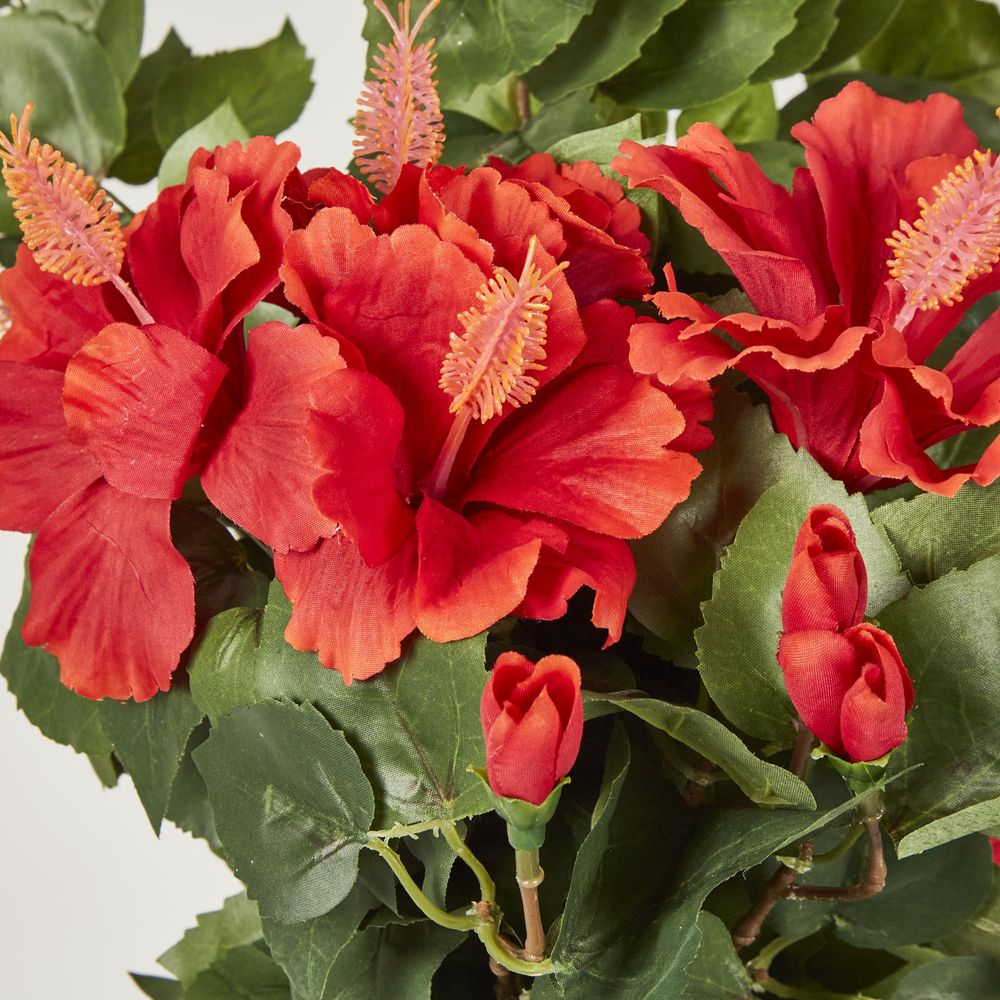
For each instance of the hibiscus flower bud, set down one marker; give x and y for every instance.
(532, 715)
(851, 688)
(827, 586)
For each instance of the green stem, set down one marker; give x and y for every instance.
(489, 934)
(454, 921)
(486, 884)
(842, 848)
(803, 993)
(763, 959)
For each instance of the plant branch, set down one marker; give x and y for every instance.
(529, 878)
(800, 754)
(486, 884)
(522, 97)
(871, 884)
(777, 888)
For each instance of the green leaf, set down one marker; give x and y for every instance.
(214, 935)
(764, 783)
(268, 87)
(189, 808)
(606, 41)
(469, 141)
(981, 933)
(746, 115)
(438, 859)
(858, 23)
(815, 23)
(738, 644)
(33, 679)
(778, 159)
(968, 59)
(292, 806)
(83, 13)
(935, 535)
(675, 564)
(949, 639)
(140, 159)
(417, 765)
(157, 987)
(703, 51)
(246, 973)
(717, 972)
(70, 79)
(119, 30)
(221, 127)
(149, 739)
(483, 41)
(598, 145)
(951, 979)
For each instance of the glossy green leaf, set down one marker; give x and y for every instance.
(738, 643)
(417, 765)
(599, 145)
(213, 936)
(949, 639)
(952, 979)
(119, 30)
(33, 679)
(482, 41)
(704, 50)
(70, 79)
(763, 782)
(717, 972)
(746, 115)
(268, 87)
(189, 808)
(220, 128)
(606, 41)
(935, 535)
(778, 159)
(958, 42)
(292, 806)
(980, 935)
(246, 973)
(815, 23)
(149, 738)
(140, 159)
(158, 987)
(859, 22)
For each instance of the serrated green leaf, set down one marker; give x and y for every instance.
(858, 23)
(149, 738)
(70, 79)
(746, 115)
(815, 23)
(948, 634)
(292, 806)
(738, 643)
(189, 808)
(951, 979)
(267, 85)
(703, 51)
(483, 41)
(417, 765)
(213, 936)
(33, 679)
(246, 973)
(119, 30)
(935, 535)
(598, 145)
(763, 782)
(219, 128)
(605, 42)
(958, 42)
(140, 159)
(717, 972)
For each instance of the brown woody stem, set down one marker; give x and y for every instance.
(800, 754)
(529, 877)
(777, 889)
(871, 884)
(523, 99)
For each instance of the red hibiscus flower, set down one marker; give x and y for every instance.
(104, 420)
(842, 338)
(449, 522)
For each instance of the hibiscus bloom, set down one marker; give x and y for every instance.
(105, 420)
(843, 335)
(480, 473)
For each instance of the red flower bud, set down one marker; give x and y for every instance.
(995, 845)
(532, 715)
(851, 689)
(827, 585)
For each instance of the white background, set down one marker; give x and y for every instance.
(87, 892)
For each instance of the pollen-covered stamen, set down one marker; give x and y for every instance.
(67, 220)
(399, 112)
(956, 238)
(503, 342)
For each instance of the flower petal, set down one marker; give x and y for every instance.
(262, 473)
(521, 752)
(137, 398)
(110, 595)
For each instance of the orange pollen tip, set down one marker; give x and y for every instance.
(502, 343)
(955, 240)
(67, 220)
(399, 117)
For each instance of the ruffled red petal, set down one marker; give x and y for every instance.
(137, 398)
(110, 595)
(262, 473)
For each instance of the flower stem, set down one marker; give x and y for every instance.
(871, 884)
(777, 888)
(529, 878)
(486, 884)
(800, 755)
(522, 97)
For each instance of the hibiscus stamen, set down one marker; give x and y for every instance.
(68, 222)
(399, 112)
(491, 361)
(956, 238)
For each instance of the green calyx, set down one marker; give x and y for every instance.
(525, 821)
(861, 777)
